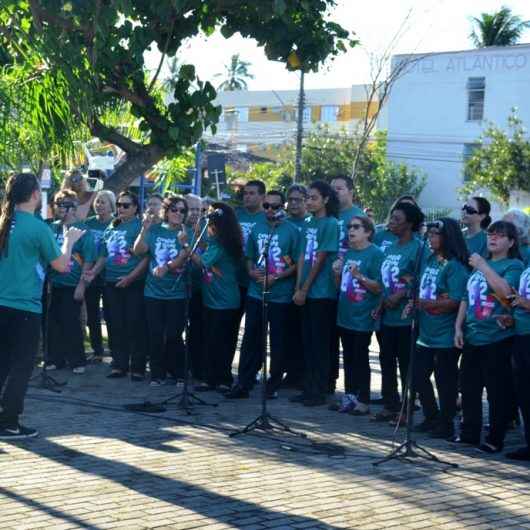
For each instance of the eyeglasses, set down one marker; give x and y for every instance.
(124, 205)
(469, 209)
(496, 234)
(176, 209)
(268, 205)
(66, 205)
(354, 226)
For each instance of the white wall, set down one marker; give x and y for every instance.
(427, 111)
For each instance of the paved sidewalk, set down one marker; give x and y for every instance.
(99, 468)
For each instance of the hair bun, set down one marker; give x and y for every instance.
(485, 222)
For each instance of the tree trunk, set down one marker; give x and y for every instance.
(135, 165)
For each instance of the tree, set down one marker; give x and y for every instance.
(501, 28)
(236, 75)
(71, 61)
(501, 162)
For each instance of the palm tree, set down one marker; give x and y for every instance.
(236, 73)
(501, 28)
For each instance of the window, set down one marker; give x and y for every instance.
(329, 113)
(306, 117)
(476, 87)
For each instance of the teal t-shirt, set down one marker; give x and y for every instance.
(83, 251)
(31, 247)
(321, 234)
(525, 253)
(247, 221)
(522, 316)
(355, 302)
(97, 228)
(477, 244)
(384, 238)
(446, 278)
(220, 289)
(283, 253)
(117, 248)
(163, 247)
(396, 272)
(298, 222)
(483, 305)
(343, 220)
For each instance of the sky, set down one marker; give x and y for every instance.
(431, 26)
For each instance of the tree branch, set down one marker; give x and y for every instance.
(114, 137)
(157, 73)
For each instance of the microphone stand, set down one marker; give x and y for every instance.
(410, 448)
(185, 399)
(265, 421)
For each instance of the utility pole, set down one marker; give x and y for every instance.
(299, 130)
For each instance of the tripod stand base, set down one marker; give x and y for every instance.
(186, 400)
(411, 449)
(267, 423)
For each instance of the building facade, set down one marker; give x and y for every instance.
(439, 107)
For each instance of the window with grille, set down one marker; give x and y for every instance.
(476, 88)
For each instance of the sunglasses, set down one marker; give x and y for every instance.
(177, 209)
(354, 226)
(469, 209)
(496, 234)
(124, 205)
(66, 205)
(268, 205)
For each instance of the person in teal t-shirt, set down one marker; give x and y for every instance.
(105, 207)
(358, 273)
(442, 285)
(397, 272)
(124, 289)
(476, 218)
(279, 241)
(65, 333)
(220, 293)
(484, 328)
(27, 246)
(316, 291)
(166, 288)
(521, 359)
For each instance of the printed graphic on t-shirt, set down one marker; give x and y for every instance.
(98, 239)
(478, 297)
(246, 228)
(428, 287)
(390, 274)
(524, 285)
(311, 245)
(208, 274)
(59, 237)
(276, 261)
(165, 251)
(350, 285)
(385, 244)
(343, 238)
(117, 248)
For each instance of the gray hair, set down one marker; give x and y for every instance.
(521, 222)
(109, 196)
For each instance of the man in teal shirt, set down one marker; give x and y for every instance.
(280, 240)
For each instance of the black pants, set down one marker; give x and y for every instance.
(355, 351)
(250, 360)
(395, 350)
(318, 322)
(334, 360)
(444, 363)
(486, 367)
(196, 339)
(19, 341)
(294, 354)
(220, 326)
(93, 297)
(65, 334)
(165, 325)
(521, 372)
(128, 328)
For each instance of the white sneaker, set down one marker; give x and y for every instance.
(50, 367)
(79, 370)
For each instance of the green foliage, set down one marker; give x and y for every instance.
(274, 175)
(501, 163)
(235, 75)
(72, 61)
(174, 170)
(501, 28)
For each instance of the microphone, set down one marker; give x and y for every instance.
(435, 224)
(216, 213)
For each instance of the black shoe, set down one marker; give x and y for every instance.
(137, 378)
(17, 433)
(223, 389)
(203, 387)
(116, 374)
(289, 382)
(426, 425)
(315, 401)
(299, 398)
(377, 401)
(462, 440)
(237, 392)
(443, 431)
(271, 394)
(522, 454)
(489, 448)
